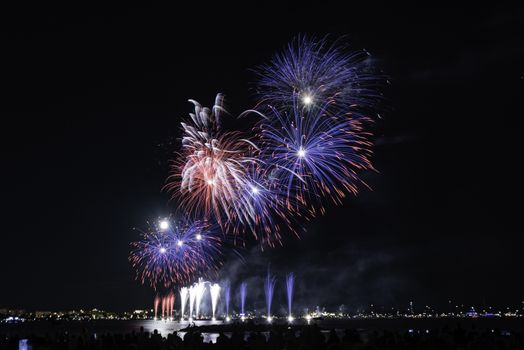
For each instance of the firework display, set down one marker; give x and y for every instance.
(172, 252)
(222, 176)
(315, 72)
(315, 155)
(308, 145)
(266, 197)
(209, 176)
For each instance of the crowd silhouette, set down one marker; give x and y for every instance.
(307, 338)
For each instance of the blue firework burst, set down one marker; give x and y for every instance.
(314, 154)
(314, 72)
(172, 252)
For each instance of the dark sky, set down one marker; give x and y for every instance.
(91, 104)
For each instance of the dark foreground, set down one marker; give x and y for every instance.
(241, 336)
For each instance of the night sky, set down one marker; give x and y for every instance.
(91, 105)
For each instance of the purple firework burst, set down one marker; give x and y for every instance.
(266, 199)
(315, 72)
(269, 289)
(314, 154)
(174, 252)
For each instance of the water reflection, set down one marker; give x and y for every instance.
(167, 327)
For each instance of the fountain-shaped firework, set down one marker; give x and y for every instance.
(200, 290)
(243, 294)
(170, 305)
(155, 305)
(269, 288)
(183, 300)
(164, 307)
(214, 290)
(290, 281)
(192, 297)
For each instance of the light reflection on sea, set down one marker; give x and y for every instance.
(167, 327)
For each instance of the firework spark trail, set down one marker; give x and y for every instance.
(267, 197)
(243, 294)
(315, 155)
(315, 72)
(183, 300)
(269, 288)
(290, 281)
(176, 252)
